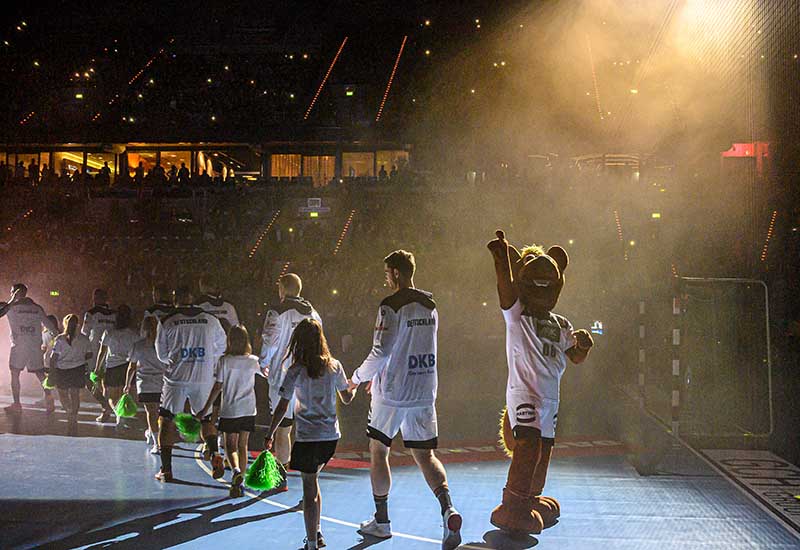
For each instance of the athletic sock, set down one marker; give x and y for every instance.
(442, 494)
(166, 459)
(381, 508)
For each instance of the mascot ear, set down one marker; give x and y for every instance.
(560, 256)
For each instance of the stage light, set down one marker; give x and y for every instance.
(472, 91)
(334, 292)
(208, 80)
(349, 93)
(7, 43)
(24, 24)
(427, 22)
(502, 63)
(213, 118)
(477, 21)
(305, 56)
(634, 91)
(291, 96)
(571, 241)
(632, 243)
(427, 52)
(227, 68)
(35, 63)
(656, 215)
(291, 230)
(78, 96)
(484, 304)
(151, 82)
(313, 214)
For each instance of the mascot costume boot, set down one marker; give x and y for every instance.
(534, 278)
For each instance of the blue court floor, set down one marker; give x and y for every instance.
(99, 492)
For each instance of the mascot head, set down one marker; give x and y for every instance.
(539, 276)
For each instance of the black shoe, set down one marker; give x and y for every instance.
(320, 540)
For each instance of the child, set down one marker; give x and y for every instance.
(115, 346)
(149, 372)
(313, 379)
(237, 416)
(68, 362)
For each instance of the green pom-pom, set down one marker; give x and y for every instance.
(264, 474)
(95, 378)
(46, 384)
(188, 426)
(126, 407)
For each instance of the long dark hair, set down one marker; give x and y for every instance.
(309, 348)
(70, 327)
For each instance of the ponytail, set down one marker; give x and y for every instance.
(70, 327)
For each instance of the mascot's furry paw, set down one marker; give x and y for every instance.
(515, 515)
(548, 508)
(506, 434)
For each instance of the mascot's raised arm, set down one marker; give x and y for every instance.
(538, 344)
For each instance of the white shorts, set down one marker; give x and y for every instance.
(31, 358)
(532, 411)
(417, 425)
(175, 394)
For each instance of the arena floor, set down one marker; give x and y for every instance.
(97, 491)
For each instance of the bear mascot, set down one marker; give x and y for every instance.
(538, 344)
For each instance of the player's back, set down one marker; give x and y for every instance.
(219, 308)
(410, 377)
(25, 321)
(279, 325)
(96, 321)
(190, 341)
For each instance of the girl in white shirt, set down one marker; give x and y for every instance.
(235, 380)
(68, 362)
(314, 379)
(115, 346)
(148, 370)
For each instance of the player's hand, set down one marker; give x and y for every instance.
(351, 386)
(583, 339)
(267, 443)
(127, 389)
(499, 246)
(368, 388)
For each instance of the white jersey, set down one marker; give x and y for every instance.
(190, 341)
(96, 321)
(536, 352)
(237, 373)
(48, 341)
(71, 355)
(26, 319)
(159, 311)
(403, 362)
(315, 407)
(219, 308)
(119, 343)
(279, 324)
(149, 369)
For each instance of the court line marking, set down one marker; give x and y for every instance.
(199, 459)
(724, 475)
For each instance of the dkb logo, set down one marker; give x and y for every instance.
(193, 353)
(425, 360)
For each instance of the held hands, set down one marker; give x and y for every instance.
(583, 339)
(499, 247)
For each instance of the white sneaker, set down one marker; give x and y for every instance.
(155, 450)
(452, 529)
(372, 528)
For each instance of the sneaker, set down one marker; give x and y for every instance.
(15, 408)
(320, 540)
(372, 528)
(103, 418)
(236, 491)
(164, 477)
(236, 484)
(217, 466)
(154, 450)
(452, 529)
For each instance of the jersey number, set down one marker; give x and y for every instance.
(548, 350)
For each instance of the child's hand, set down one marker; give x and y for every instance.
(583, 339)
(499, 246)
(267, 443)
